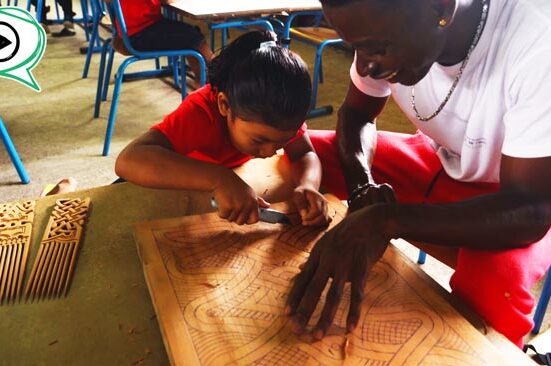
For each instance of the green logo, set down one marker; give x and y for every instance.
(22, 44)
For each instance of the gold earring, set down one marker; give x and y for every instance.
(443, 22)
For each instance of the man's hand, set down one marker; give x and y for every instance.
(237, 201)
(346, 253)
(312, 206)
(371, 194)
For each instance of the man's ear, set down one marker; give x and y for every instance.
(444, 11)
(223, 104)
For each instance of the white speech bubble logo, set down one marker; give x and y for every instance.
(22, 44)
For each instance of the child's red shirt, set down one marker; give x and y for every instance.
(197, 129)
(140, 14)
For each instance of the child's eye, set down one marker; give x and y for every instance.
(257, 142)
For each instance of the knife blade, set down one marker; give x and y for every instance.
(264, 214)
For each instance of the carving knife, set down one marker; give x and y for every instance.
(265, 214)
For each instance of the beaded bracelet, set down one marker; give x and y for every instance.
(356, 192)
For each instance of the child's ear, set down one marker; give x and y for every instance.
(223, 104)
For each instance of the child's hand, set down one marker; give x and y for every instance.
(312, 206)
(237, 201)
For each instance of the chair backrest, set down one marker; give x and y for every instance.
(119, 30)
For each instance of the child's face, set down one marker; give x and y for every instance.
(252, 137)
(256, 138)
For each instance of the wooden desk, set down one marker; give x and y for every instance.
(107, 317)
(201, 9)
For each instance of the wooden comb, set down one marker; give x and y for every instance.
(16, 223)
(55, 261)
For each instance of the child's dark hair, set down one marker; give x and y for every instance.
(269, 83)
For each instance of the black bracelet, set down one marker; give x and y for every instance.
(356, 192)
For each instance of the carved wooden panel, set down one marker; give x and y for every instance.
(55, 262)
(219, 291)
(16, 223)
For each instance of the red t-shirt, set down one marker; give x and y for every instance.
(197, 129)
(140, 14)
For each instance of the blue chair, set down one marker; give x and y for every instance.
(543, 302)
(95, 41)
(13, 153)
(115, 12)
(320, 41)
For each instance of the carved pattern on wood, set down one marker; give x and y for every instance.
(219, 292)
(55, 262)
(16, 223)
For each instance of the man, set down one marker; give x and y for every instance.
(475, 182)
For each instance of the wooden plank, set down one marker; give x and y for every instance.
(213, 9)
(219, 290)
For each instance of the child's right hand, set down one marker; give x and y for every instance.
(237, 201)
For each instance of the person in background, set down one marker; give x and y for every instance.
(150, 31)
(68, 15)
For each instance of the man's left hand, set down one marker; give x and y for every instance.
(346, 253)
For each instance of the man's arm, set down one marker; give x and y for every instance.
(516, 216)
(356, 135)
(519, 214)
(357, 141)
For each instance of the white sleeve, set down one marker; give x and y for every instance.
(528, 116)
(367, 85)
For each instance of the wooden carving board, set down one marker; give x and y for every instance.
(219, 290)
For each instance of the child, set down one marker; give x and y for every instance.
(255, 103)
(150, 31)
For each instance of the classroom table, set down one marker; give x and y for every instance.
(218, 10)
(107, 318)
(208, 10)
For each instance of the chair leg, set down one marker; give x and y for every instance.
(108, 74)
(173, 62)
(91, 44)
(321, 71)
(212, 39)
(542, 303)
(422, 257)
(183, 85)
(324, 110)
(115, 103)
(39, 9)
(224, 37)
(85, 19)
(13, 154)
(101, 77)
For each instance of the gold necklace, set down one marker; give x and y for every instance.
(476, 38)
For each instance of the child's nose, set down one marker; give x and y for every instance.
(269, 150)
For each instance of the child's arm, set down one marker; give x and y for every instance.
(150, 161)
(306, 172)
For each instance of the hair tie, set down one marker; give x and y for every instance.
(267, 44)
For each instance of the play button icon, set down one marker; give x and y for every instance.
(9, 42)
(4, 42)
